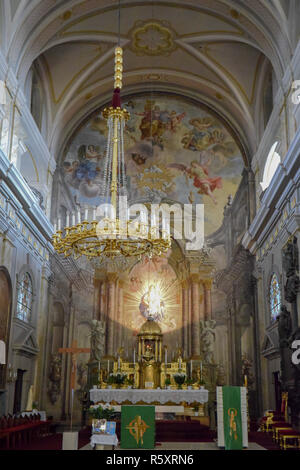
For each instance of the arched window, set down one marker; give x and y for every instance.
(275, 297)
(272, 162)
(24, 299)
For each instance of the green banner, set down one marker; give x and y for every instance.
(233, 433)
(137, 427)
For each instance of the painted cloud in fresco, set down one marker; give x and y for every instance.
(175, 151)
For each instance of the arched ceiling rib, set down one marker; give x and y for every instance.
(214, 50)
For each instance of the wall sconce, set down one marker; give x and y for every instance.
(11, 374)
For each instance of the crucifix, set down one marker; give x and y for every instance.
(73, 350)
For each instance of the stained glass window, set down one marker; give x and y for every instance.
(275, 297)
(24, 301)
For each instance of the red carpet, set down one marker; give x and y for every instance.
(166, 431)
(264, 440)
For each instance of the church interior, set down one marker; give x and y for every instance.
(163, 103)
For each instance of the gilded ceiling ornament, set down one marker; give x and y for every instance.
(152, 38)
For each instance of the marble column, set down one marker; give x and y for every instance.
(185, 316)
(119, 316)
(190, 320)
(207, 299)
(96, 306)
(195, 324)
(111, 305)
(103, 300)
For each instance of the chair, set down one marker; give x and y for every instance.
(289, 439)
(274, 417)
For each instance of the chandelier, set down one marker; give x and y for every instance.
(109, 233)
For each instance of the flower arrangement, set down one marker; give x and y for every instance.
(99, 412)
(129, 381)
(118, 378)
(189, 381)
(167, 382)
(179, 379)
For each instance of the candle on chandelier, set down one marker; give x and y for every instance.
(54, 227)
(94, 213)
(73, 218)
(86, 214)
(67, 219)
(78, 217)
(153, 219)
(59, 223)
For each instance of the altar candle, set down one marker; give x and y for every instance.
(191, 367)
(108, 366)
(119, 362)
(134, 356)
(166, 356)
(201, 369)
(67, 219)
(180, 363)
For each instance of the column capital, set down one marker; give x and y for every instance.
(194, 277)
(184, 283)
(112, 277)
(207, 283)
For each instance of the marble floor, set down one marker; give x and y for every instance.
(187, 446)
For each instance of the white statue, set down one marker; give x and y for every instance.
(207, 336)
(30, 399)
(97, 339)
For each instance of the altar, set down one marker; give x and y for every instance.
(149, 397)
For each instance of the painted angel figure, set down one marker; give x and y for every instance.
(199, 172)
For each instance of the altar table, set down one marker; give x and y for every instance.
(104, 440)
(161, 396)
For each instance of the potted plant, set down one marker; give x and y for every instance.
(99, 412)
(196, 410)
(130, 382)
(201, 383)
(189, 383)
(179, 379)
(111, 381)
(120, 378)
(168, 383)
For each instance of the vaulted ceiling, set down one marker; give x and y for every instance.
(217, 51)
